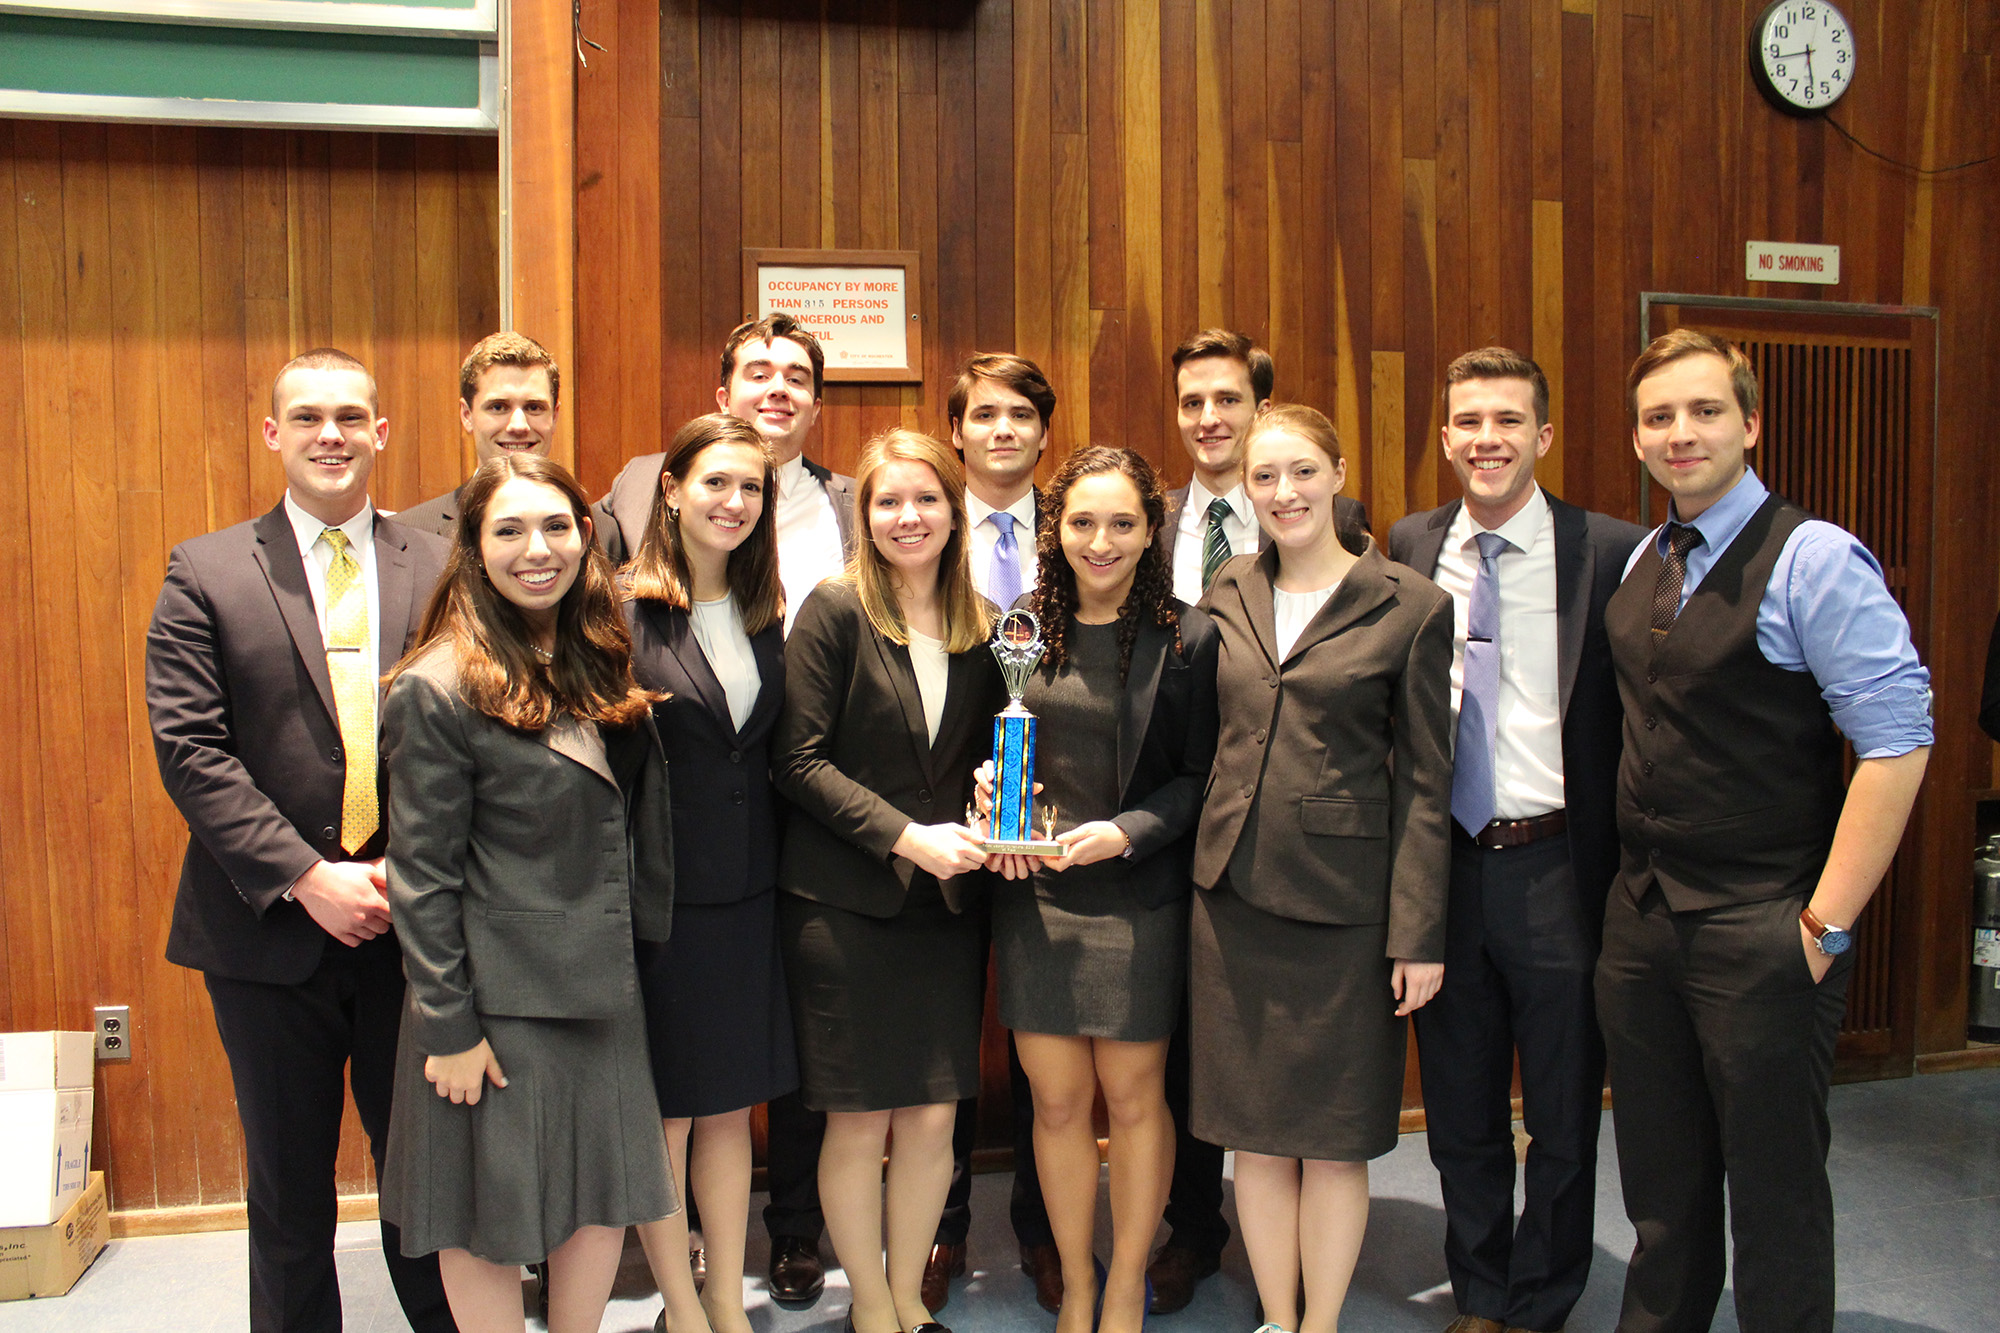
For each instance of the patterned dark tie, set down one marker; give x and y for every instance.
(1472, 792)
(1214, 543)
(1681, 538)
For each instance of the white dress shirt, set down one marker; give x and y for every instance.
(1240, 527)
(809, 547)
(318, 557)
(1527, 746)
(985, 536)
(718, 628)
(1293, 611)
(932, 666)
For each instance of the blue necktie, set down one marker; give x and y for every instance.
(1472, 797)
(1005, 583)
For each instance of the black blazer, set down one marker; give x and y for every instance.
(620, 517)
(1591, 551)
(1166, 746)
(1331, 796)
(850, 754)
(725, 813)
(247, 739)
(519, 869)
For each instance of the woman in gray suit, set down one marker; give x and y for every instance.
(890, 691)
(1322, 857)
(529, 838)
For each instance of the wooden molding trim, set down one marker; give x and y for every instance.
(217, 1217)
(1978, 1056)
(538, 187)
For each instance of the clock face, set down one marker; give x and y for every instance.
(1805, 53)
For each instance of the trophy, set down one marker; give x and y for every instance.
(1017, 645)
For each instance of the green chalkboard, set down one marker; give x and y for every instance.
(96, 57)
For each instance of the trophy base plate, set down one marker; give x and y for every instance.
(1022, 848)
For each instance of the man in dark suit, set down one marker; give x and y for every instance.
(1222, 382)
(261, 663)
(509, 399)
(1534, 849)
(773, 376)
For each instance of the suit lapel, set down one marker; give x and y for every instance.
(394, 591)
(580, 741)
(1135, 707)
(768, 648)
(278, 553)
(1574, 557)
(677, 628)
(1430, 542)
(1259, 608)
(1367, 585)
(896, 662)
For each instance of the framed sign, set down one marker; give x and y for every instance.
(862, 305)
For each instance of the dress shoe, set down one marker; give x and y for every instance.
(1472, 1323)
(930, 1326)
(1174, 1270)
(797, 1276)
(946, 1262)
(1044, 1265)
(698, 1265)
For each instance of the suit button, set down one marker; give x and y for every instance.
(1656, 854)
(1272, 681)
(1652, 677)
(334, 754)
(329, 833)
(736, 798)
(1652, 812)
(1647, 768)
(736, 756)
(1651, 722)
(925, 796)
(1261, 733)
(1248, 792)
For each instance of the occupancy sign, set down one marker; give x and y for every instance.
(859, 314)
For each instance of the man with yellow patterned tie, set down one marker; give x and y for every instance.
(261, 669)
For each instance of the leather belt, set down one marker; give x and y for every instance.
(1504, 833)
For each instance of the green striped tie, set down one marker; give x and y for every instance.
(1214, 543)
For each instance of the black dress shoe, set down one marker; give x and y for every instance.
(931, 1326)
(1173, 1271)
(797, 1276)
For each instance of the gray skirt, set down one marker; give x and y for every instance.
(1296, 1050)
(573, 1140)
(1087, 967)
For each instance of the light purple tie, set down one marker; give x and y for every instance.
(1006, 580)
(1472, 796)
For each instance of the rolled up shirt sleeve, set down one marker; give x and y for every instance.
(1828, 610)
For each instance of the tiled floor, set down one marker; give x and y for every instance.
(1916, 1175)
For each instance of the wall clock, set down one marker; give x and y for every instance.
(1802, 54)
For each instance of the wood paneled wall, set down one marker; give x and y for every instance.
(1369, 187)
(152, 280)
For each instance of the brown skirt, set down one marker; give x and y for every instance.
(1297, 1051)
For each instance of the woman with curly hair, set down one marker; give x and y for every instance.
(529, 842)
(1091, 947)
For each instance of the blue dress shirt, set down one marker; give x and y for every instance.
(1826, 610)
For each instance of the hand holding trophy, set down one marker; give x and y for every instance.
(1017, 646)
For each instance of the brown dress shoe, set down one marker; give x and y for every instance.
(1044, 1265)
(1173, 1271)
(1472, 1323)
(946, 1262)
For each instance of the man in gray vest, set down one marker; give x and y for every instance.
(1748, 639)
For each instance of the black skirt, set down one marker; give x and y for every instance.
(1297, 1050)
(887, 1009)
(718, 1023)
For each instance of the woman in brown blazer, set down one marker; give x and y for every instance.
(890, 691)
(1322, 857)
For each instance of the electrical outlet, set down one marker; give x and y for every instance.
(114, 1032)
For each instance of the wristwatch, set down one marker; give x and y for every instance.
(1831, 940)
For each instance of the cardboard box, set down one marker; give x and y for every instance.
(45, 1115)
(47, 1260)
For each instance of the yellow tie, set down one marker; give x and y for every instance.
(353, 675)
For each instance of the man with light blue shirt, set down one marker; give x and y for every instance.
(1748, 639)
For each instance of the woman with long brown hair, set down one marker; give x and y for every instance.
(706, 613)
(528, 842)
(1091, 947)
(890, 691)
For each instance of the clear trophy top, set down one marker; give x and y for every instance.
(1017, 646)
